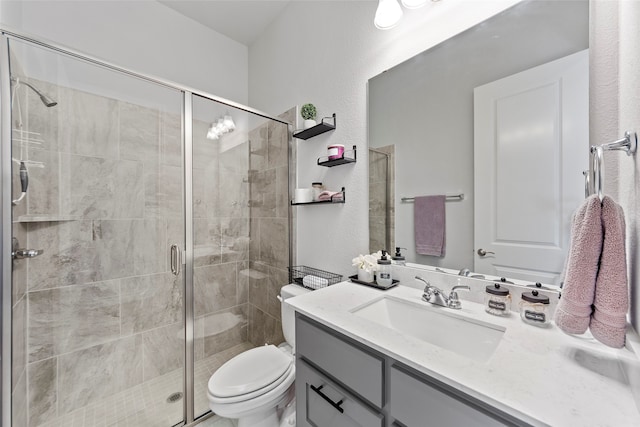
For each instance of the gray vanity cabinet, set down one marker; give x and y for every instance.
(326, 404)
(417, 401)
(342, 383)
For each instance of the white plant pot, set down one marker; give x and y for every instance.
(365, 276)
(309, 124)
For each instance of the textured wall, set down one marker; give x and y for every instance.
(145, 36)
(615, 108)
(325, 52)
(629, 119)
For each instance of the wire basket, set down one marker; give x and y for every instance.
(312, 278)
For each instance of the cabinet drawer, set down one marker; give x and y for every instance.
(415, 401)
(322, 403)
(353, 367)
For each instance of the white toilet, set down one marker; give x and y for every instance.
(253, 385)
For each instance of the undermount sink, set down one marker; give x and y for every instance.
(438, 326)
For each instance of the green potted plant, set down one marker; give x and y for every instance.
(308, 113)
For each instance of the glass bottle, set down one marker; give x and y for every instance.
(383, 278)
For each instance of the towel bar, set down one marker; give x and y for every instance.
(449, 197)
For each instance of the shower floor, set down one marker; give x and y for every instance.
(146, 405)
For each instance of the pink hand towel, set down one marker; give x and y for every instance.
(574, 309)
(609, 319)
(429, 224)
(330, 195)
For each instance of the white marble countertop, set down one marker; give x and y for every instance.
(539, 375)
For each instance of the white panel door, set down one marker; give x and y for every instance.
(531, 146)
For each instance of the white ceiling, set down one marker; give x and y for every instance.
(240, 20)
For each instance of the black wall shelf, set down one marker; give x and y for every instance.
(318, 129)
(349, 156)
(323, 202)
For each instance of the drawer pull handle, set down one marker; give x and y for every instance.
(325, 397)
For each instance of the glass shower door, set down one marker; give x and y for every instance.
(98, 294)
(240, 169)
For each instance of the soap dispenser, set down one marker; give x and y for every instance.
(383, 278)
(398, 258)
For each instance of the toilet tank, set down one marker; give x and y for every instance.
(288, 313)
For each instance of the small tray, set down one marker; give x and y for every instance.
(354, 279)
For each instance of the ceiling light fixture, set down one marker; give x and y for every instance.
(228, 123)
(388, 14)
(221, 126)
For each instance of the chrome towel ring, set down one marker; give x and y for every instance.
(628, 144)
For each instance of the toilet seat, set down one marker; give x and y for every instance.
(252, 373)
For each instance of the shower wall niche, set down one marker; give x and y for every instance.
(99, 317)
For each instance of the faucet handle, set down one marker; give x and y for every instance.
(427, 287)
(463, 287)
(454, 301)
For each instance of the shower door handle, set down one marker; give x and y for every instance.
(175, 259)
(26, 253)
(21, 253)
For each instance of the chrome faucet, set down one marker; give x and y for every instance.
(434, 295)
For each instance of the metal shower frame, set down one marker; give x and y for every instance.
(187, 156)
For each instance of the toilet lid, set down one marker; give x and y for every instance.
(250, 371)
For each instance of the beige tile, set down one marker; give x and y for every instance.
(43, 396)
(88, 124)
(274, 242)
(43, 195)
(215, 288)
(258, 142)
(163, 350)
(171, 139)
(282, 192)
(263, 194)
(99, 188)
(69, 256)
(19, 403)
(19, 269)
(149, 302)
(66, 319)
(235, 239)
(243, 273)
(18, 341)
(224, 329)
(278, 145)
(140, 134)
(206, 193)
(163, 195)
(233, 195)
(88, 375)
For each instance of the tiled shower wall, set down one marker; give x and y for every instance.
(104, 312)
(269, 251)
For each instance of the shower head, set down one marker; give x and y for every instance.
(46, 100)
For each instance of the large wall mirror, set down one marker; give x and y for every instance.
(499, 115)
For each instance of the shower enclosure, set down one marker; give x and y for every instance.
(381, 198)
(145, 233)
